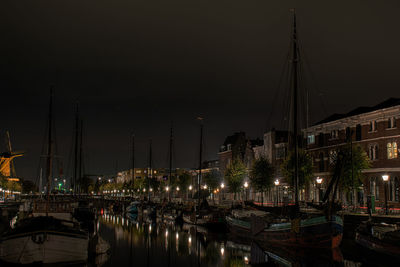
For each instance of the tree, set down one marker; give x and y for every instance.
(261, 176)
(305, 166)
(212, 179)
(234, 175)
(354, 161)
(184, 181)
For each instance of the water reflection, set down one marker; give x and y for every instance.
(140, 243)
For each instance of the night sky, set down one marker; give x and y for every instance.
(136, 65)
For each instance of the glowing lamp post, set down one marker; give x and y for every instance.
(385, 179)
(222, 190)
(246, 185)
(319, 182)
(276, 182)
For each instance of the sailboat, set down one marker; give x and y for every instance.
(300, 230)
(49, 236)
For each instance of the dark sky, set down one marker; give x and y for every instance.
(135, 65)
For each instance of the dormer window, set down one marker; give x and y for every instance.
(372, 126)
(334, 134)
(229, 147)
(391, 123)
(310, 139)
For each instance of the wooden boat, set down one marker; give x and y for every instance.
(50, 236)
(314, 232)
(46, 240)
(380, 237)
(297, 229)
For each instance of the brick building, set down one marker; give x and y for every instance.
(376, 129)
(237, 146)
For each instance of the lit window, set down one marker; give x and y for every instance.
(392, 152)
(310, 139)
(138, 171)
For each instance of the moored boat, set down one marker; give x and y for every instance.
(44, 239)
(380, 237)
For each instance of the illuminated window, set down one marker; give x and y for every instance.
(392, 152)
(138, 171)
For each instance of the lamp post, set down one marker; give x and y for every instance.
(319, 182)
(276, 186)
(191, 192)
(385, 178)
(222, 191)
(246, 184)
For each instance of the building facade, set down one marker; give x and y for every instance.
(377, 130)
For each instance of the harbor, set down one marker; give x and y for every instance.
(199, 134)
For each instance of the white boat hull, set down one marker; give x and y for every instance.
(44, 247)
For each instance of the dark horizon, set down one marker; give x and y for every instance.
(136, 66)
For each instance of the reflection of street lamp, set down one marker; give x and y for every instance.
(385, 178)
(276, 182)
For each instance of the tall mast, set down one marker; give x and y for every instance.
(200, 161)
(75, 175)
(49, 150)
(295, 132)
(150, 171)
(80, 169)
(133, 158)
(171, 140)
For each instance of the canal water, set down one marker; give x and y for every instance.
(166, 244)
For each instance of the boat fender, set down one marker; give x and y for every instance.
(39, 238)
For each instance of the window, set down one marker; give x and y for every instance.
(229, 147)
(280, 152)
(332, 156)
(372, 126)
(391, 123)
(392, 152)
(321, 162)
(373, 152)
(334, 134)
(358, 132)
(311, 139)
(138, 171)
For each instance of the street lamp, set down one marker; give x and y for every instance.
(246, 184)
(319, 182)
(205, 186)
(222, 188)
(191, 192)
(385, 178)
(276, 182)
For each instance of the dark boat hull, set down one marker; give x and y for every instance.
(377, 244)
(311, 233)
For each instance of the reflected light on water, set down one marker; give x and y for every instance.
(177, 236)
(246, 260)
(222, 251)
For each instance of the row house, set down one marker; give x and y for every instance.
(377, 130)
(237, 146)
(275, 149)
